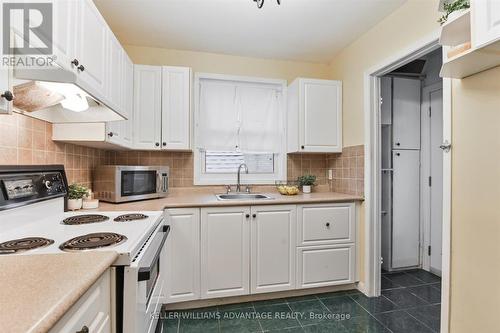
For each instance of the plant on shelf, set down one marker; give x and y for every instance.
(76, 193)
(306, 181)
(450, 7)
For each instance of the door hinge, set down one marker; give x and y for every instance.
(430, 111)
(429, 250)
(430, 181)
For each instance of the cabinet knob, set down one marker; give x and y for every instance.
(8, 95)
(164, 144)
(157, 144)
(112, 134)
(84, 329)
(247, 216)
(302, 147)
(81, 68)
(398, 154)
(327, 224)
(398, 144)
(75, 62)
(254, 215)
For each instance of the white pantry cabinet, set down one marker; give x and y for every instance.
(162, 107)
(485, 22)
(272, 252)
(315, 116)
(225, 251)
(182, 262)
(92, 312)
(406, 113)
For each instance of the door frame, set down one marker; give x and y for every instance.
(373, 175)
(425, 210)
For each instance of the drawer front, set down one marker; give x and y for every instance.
(326, 224)
(325, 266)
(91, 310)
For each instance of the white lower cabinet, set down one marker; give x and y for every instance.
(272, 252)
(91, 313)
(225, 251)
(325, 265)
(182, 261)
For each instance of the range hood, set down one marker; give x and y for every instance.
(57, 95)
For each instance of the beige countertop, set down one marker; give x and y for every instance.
(184, 198)
(37, 290)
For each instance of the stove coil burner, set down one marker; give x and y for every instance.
(24, 244)
(92, 241)
(130, 217)
(85, 219)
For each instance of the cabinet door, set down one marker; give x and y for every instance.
(128, 99)
(406, 113)
(182, 261)
(406, 208)
(115, 72)
(176, 107)
(91, 47)
(5, 81)
(321, 115)
(147, 107)
(273, 248)
(325, 265)
(225, 251)
(486, 22)
(64, 32)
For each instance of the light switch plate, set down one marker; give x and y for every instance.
(330, 174)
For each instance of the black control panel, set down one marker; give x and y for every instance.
(22, 187)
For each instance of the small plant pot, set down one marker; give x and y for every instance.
(74, 204)
(306, 188)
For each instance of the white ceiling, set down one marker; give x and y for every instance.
(303, 30)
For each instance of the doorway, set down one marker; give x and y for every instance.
(374, 180)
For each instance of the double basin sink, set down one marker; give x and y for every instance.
(242, 196)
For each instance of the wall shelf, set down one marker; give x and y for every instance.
(457, 30)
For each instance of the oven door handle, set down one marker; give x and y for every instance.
(144, 273)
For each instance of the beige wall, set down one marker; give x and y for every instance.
(411, 22)
(475, 254)
(226, 64)
(475, 268)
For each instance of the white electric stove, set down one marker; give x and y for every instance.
(33, 221)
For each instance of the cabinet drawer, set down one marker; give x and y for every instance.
(326, 224)
(91, 310)
(325, 265)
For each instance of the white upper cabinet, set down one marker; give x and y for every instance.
(64, 32)
(176, 87)
(128, 99)
(92, 46)
(147, 107)
(486, 21)
(406, 113)
(115, 72)
(315, 116)
(5, 84)
(272, 254)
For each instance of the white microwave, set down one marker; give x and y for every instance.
(123, 183)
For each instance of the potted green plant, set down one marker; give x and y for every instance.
(76, 193)
(306, 181)
(453, 9)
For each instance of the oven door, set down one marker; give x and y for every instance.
(138, 183)
(143, 285)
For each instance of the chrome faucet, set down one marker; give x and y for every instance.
(238, 184)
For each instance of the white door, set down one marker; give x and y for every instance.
(386, 100)
(486, 21)
(225, 251)
(128, 99)
(273, 248)
(176, 107)
(406, 113)
(321, 115)
(436, 195)
(182, 260)
(321, 266)
(91, 47)
(147, 107)
(406, 208)
(115, 69)
(64, 32)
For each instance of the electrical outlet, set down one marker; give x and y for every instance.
(330, 174)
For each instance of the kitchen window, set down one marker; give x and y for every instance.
(239, 120)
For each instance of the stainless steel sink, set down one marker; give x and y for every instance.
(242, 196)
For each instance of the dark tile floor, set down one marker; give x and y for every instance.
(410, 303)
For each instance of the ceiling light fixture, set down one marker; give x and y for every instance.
(260, 3)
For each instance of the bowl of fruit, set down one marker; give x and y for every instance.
(287, 188)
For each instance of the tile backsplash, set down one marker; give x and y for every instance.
(24, 140)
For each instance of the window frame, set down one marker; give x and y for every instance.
(280, 160)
